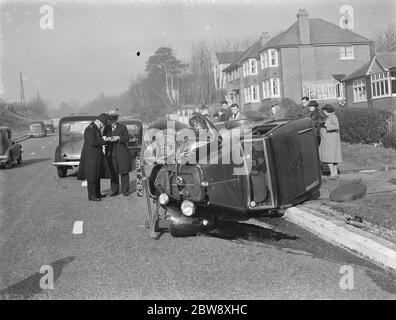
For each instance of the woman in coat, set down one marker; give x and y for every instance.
(91, 167)
(330, 144)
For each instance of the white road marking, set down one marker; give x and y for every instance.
(77, 227)
(33, 153)
(50, 142)
(42, 147)
(84, 183)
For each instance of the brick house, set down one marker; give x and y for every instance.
(308, 59)
(373, 84)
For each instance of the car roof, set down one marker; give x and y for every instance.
(77, 118)
(4, 127)
(31, 122)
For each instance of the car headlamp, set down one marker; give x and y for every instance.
(163, 199)
(188, 208)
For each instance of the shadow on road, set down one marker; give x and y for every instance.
(29, 162)
(30, 286)
(132, 187)
(232, 230)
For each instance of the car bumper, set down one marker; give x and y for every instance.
(66, 163)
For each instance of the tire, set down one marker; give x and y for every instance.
(19, 160)
(8, 165)
(62, 172)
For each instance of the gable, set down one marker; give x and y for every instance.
(375, 67)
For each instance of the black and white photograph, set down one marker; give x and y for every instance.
(199, 156)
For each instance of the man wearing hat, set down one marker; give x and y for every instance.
(316, 116)
(91, 167)
(118, 155)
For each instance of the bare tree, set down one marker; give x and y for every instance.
(385, 38)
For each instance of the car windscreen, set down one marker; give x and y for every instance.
(76, 127)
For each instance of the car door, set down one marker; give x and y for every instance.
(296, 160)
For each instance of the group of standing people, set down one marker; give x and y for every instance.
(105, 155)
(327, 129)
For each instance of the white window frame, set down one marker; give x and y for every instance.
(272, 82)
(253, 64)
(379, 84)
(359, 90)
(392, 77)
(270, 52)
(252, 89)
(346, 54)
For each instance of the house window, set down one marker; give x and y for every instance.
(247, 93)
(359, 90)
(323, 90)
(273, 57)
(255, 93)
(271, 88)
(275, 87)
(253, 66)
(379, 85)
(269, 58)
(346, 53)
(245, 69)
(393, 82)
(266, 89)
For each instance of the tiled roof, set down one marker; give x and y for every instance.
(321, 32)
(228, 57)
(358, 73)
(388, 60)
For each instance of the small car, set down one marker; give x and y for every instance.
(37, 129)
(197, 186)
(49, 126)
(10, 152)
(71, 140)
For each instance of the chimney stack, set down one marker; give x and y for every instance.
(264, 38)
(303, 26)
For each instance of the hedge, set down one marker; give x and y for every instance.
(358, 125)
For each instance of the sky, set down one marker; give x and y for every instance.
(93, 45)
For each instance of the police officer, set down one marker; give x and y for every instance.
(119, 156)
(91, 167)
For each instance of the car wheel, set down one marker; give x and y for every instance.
(8, 165)
(19, 160)
(62, 172)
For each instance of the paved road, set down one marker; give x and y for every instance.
(115, 259)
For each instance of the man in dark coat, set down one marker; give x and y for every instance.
(316, 116)
(91, 167)
(120, 157)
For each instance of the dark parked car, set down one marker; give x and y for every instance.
(71, 140)
(37, 129)
(10, 152)
(279, 167)
(49, 126)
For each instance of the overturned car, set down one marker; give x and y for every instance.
(241, 168)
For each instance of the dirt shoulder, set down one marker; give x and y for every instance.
(377, 208)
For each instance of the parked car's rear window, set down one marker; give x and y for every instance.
(74, 127)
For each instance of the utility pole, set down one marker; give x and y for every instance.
(23, 104)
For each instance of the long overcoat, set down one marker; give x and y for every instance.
(330, 144)
(91, 167)
(119, 149)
